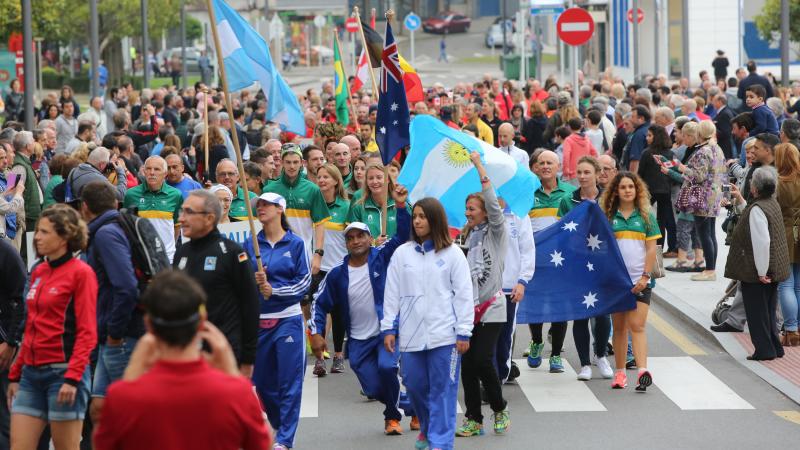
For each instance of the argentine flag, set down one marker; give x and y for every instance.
(247, 60)
(439, 166)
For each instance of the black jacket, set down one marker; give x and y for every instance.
(12, 278)
(724, 131)
(220, 265)
(534, 134)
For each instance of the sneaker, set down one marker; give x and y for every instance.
(605, 368)
(501, 422)
(421, 443)
(556, 365)
(414, 425)
(645, 379)
(278, 446)
(392, 427)
(585, 374)
(528, 350)
(469, 428)
(513, 373)
(319, 368)
(620, 381)
(535, 355)
(338, 364)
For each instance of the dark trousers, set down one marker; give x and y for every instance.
(558, 331)
(477, 368)
(580, 333)
(705, 227)
(760, 307)
(666, 220)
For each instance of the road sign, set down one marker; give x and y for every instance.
(575, 26)
(351, 24)
(412, 22)
(546, 7)
(640, 14)
(319, 21)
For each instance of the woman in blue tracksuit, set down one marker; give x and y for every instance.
(428, 286)
(281, 354)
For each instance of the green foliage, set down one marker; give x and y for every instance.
(769, 21)
(46, 18)
(194, 29)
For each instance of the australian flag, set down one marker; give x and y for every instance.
(391, 125)
(579, 271)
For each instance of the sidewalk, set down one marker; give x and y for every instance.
(694, 301)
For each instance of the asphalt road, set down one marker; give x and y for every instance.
(701, 398)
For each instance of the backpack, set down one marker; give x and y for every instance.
(148, 252)
(254, 137)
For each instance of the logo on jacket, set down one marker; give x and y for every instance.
(375, 274)
(182, 263)
(289, 340)
(288, 254)
(223, 248)
(210, 263)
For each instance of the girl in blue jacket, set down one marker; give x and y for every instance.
(281, 355)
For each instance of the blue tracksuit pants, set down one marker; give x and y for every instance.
(278, 374)
(431, 380)
(376, 370)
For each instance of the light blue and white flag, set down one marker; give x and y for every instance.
(439, 166)
(247, 60)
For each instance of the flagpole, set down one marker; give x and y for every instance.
(385, 206)
(346, 82)
(375, 92)
(234, 134)
(206, 173)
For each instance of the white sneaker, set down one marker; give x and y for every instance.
(605, 368)
(585, 374)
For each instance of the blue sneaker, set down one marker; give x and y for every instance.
(535, 355)
(556, 365)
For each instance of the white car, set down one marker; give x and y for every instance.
(494, 35)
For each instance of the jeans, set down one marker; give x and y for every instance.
(666, 220)
(705, 227)
(789, 295)
(38, 392)
(111, 363)
(686, 236)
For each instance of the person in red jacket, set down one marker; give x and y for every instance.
(50, 379)
(576, 146)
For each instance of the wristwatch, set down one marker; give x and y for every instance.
(319, 252)
(647, 275)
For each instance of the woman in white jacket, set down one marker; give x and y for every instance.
(428, 312)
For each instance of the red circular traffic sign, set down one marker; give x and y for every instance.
(575, 26)
(640, 15)
(351, 24)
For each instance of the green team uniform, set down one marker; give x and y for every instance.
(335, 247)
(238, 209)
(545, 206)
(161, 208)
(631, 234)
(370, 213)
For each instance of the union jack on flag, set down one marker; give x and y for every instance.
(390, 65)
(391, 125)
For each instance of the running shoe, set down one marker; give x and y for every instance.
(469, 428)
(338, 364)
(527, 350)
(645, 379)
(605, 368)
(556, 365)
(414, 425)
(585, 374)
(319, 368)
(501, 421)
(421, 443)
(620, 381)
(535, 355)
(392, 427)
(279, 446)
(513, 373)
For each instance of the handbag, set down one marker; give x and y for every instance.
(658, 270)
(692, 198)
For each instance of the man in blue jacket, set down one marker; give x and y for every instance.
(119, 320)
(356, 288)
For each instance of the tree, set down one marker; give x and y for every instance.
(46, 18)
(194, 29)
(769, 21)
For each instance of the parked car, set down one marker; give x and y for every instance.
(494, 34)
(192, 57)
(446, 22)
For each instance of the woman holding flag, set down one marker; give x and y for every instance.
(626, 203)
(487, 241)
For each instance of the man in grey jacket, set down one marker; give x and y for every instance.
(94, 169)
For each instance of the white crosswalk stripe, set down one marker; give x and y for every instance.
(309, 403)
(548, 392)
(691, 386)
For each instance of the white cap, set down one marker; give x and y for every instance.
(357, 226)
(270, 197)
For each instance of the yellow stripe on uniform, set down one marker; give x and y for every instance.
(156, 214)
(325, 220)
(634, 235)
(304, 213)
(333, 226)
(543, 212)
(677, 338)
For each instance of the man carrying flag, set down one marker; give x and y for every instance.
(391, 125)
(340, 88)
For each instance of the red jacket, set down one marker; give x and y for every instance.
(576, 146)
(60, 325)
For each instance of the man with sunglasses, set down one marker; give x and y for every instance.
(221, 267)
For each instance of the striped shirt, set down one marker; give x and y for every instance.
(545, 206)
(161, 208)
(631, 234)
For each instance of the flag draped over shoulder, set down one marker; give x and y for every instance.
(247, 60)
(391, 124)
(579, 273)
(340, 89)
(439, 166)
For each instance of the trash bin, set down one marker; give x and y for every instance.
(510, 66)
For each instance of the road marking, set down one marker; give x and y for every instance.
(677, 338)
(791, 416)
(691, 386)
(551, 392)
(309, 402)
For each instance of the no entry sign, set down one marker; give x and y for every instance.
(351, 24)
(575, 26)
(639, 15)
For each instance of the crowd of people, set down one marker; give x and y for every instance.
(92, 322)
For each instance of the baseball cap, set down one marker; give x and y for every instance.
(357, 226)
(270, 197)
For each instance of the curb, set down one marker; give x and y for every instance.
(700, 323)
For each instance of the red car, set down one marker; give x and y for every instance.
(447, 22)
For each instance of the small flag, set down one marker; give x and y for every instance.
(413, 84)
(391, 125)
(340, 87)
(242, 257)
(362, 72)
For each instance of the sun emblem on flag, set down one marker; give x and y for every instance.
(456, 155)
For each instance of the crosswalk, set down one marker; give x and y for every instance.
(683, 380)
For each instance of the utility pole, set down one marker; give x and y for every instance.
(184, 76)
(145, 46)
(635, 16)
(29, 65)
(785, 43)
(685, 38)
(94, 48)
